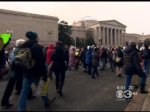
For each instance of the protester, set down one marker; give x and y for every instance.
(59, 66)
(119, 62)
(89, 60)
(132, 66)
(72, 60)
(82, 58)
(146, 59)
(95, 63)
(34, 73)
(49, 62)
(15, 76)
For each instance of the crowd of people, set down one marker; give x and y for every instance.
(58, 58)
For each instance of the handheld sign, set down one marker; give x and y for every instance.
(5, 37)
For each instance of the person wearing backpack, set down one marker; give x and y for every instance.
(146, 59)
(132, 66)
(15, 74)
(38, 69)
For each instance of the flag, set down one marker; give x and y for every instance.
(5, 37)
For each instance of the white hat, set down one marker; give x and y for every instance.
(19, 42)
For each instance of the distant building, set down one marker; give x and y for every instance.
(130, 37)
(106, 33)
(19, 23)
(145, 37)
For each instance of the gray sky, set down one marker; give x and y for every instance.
(135, 15)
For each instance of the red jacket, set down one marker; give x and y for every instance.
(49, 53)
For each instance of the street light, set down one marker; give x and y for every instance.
(75, 32)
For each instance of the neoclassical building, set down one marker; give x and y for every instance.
(19, 23)
(106, 33)
(132, 37)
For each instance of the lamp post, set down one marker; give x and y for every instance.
(75, 37)
(75, 32)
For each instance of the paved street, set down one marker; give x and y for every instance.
(81, 93)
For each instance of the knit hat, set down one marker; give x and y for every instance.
(19, 42)
(31, 35)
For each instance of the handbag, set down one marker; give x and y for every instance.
(118, 59)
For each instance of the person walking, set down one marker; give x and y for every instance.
(132, 66)
(34, 73)
(59, 66)
(95, 63)
(146, 59)
(49, 62)
(119, 62)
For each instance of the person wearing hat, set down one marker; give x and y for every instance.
(15, 76)
(132, 66)
(33, 74)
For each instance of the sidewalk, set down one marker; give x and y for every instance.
(140, 102)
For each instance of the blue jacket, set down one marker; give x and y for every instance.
(88, 56)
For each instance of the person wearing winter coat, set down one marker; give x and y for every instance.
(119, 62)
(132, 66)
(33, 74)
(89, 60)
(72, 59)
(49, 62)
(59, 66)
(103, 56)
(95, 63)
(82, 58)
(15, 76)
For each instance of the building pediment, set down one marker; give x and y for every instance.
(113, 22)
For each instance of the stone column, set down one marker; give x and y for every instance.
(100, 37)
(103, 35)
(96, 36)
(123, 37)
(111, 37)
(115, 32)
(108, 37)
(119, 37)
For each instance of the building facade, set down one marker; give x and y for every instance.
(19, 23)
(106, 33)
(130, 37)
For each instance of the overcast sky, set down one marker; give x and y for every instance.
(135, 15)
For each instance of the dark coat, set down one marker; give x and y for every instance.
(39, 69)
(132, 61)
(59, 59)
(89, 56)
(95, 59)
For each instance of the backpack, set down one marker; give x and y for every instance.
(146, 53)
(24, 58)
